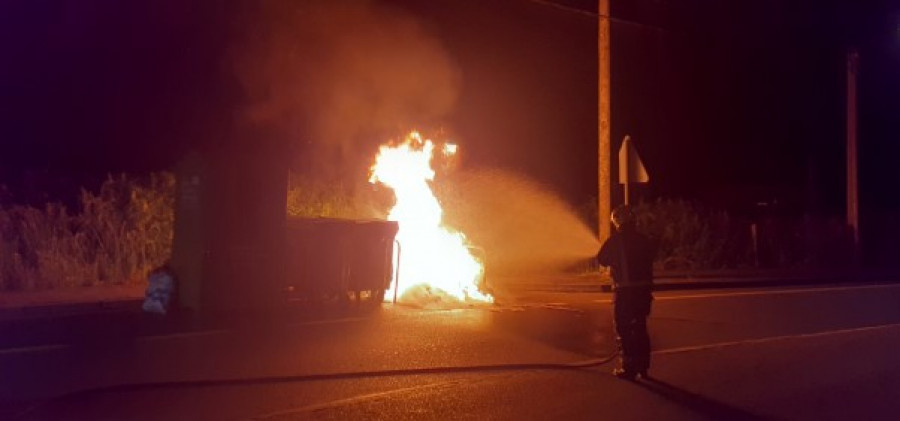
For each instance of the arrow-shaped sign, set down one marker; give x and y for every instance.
(631, 169)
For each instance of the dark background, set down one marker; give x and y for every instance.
(732, 103)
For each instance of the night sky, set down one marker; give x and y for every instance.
(731, 103)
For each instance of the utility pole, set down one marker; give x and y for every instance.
(603, 148)
(852, 158)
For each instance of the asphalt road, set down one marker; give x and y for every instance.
(789, 353)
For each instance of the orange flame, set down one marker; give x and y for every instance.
(431, 253)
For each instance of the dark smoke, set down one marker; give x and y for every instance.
(337, 76)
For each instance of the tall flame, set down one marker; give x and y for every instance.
(431, 253)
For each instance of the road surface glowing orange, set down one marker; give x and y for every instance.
(431, 253)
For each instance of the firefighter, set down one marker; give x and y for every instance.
(629, 256)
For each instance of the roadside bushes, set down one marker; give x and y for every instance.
(312, 198)
(115, 237)
(309, 198)
(691, 237)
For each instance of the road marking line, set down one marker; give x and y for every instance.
(659, 297)
(182, 335)
(28, 349)
(776, 338)
(328, 322)
(365, 397)
(361, 398)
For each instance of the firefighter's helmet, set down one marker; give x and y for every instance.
(622, 216)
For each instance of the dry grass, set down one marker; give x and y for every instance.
(311, 198)
(116, 237)
(691, 236)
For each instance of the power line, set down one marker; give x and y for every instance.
(566, 8)
(593, 15)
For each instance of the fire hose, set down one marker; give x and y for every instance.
(266, 380)
(238, 381)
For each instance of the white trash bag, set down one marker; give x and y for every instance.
(160, 288)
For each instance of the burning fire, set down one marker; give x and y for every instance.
(431, 253)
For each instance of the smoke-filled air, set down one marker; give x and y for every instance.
(337, 76)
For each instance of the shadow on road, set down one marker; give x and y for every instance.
(699, 404)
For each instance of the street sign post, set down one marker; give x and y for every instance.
(631, 169)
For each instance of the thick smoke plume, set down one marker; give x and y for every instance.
(337, 76)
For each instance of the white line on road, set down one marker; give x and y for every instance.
(778, 338)
(28, 349)
(183, 335)
(380, 395)
(660, 297)
(358, 399)
(330, 322)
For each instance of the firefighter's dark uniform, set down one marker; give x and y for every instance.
(629, 255)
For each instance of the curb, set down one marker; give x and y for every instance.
(69, 309)
(676, 285)
(689, 283)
